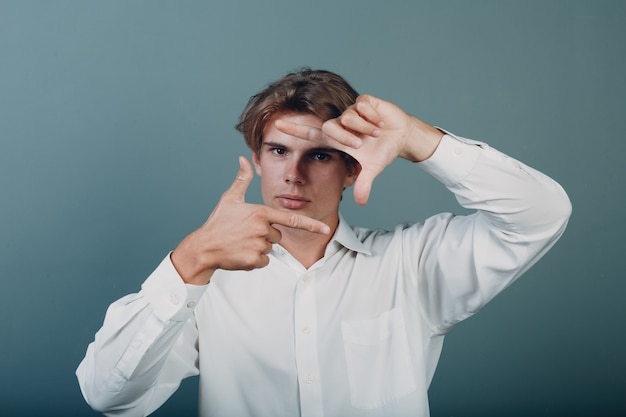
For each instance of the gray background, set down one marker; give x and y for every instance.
(117, 139)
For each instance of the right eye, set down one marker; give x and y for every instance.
(278, 151)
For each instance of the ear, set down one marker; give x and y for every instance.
(256, 160)
(353, 173)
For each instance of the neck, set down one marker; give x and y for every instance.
(306, 247)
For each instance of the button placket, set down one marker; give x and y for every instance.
(306, 347)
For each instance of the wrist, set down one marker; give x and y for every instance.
(422, 141)
(190, 268)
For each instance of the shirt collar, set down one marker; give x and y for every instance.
(345, 236)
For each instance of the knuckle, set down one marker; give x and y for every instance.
(257, 217)
(264, 261)
(328, 126)
(346, 118)
(311, 134)
(249, 262)
(255, 212)
(294, 221)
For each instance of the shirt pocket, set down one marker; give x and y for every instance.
(378, 359)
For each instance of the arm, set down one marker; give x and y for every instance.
(463, 261)
(145, 347)
(147, 342)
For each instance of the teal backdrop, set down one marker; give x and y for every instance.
(117, 139)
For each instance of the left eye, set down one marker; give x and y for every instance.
(320, 156)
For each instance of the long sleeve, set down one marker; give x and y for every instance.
(146, 346)
(466, 260)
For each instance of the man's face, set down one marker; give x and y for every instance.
(299, 175)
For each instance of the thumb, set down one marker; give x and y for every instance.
(363, 186)
(237, 190)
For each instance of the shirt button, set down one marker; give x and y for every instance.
(174, 299)
(309, 379)
(306, 330)
(516, 164)
(191, 304)
(305, 278)
(458, 150)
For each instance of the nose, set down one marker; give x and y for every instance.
(294, 173)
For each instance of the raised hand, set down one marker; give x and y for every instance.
(374, 132)
(237, 235)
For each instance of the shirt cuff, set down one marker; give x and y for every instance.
(168, 294)
(453, 159)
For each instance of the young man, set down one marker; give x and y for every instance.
(282, 308)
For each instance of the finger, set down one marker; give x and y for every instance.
(342, 138)
(273, 235)
(300, 131)
(366, 107)
(297, 221)
(268, 248)
(363, 186)
(237, 191)
(358, 124)
(313, 134)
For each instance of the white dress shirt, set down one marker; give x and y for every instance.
(359, 333)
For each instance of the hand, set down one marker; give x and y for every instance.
(374, 132)
(237, 235)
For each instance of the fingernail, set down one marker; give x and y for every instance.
(356, 143)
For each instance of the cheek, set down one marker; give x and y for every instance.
(346, 179)
(333, 184)
(268, 173)
(270, 179)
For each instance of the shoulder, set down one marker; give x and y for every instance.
(404, 232)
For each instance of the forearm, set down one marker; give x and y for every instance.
(516, 198)
(143, 346)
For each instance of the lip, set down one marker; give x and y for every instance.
(292, 201)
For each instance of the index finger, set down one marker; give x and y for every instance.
(297, 221)
(315, 134)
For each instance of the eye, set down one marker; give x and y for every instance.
(320, 156)
(278, 151)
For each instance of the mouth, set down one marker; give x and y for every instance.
(292, 201)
